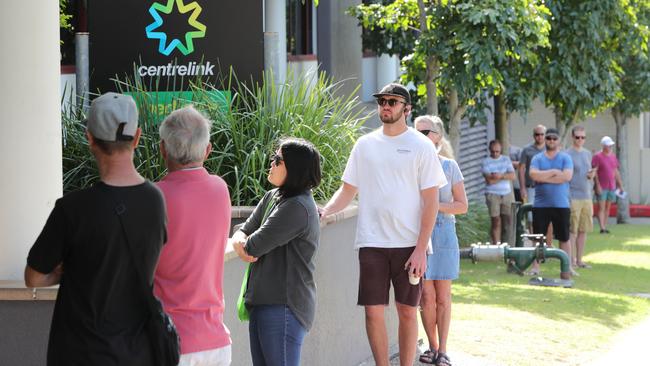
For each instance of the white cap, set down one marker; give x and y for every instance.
(607, 141)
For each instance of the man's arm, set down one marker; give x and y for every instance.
(522, 180)
(340, 200)
(619, 181)
(34, 278)
(417, 262)
(562, 177)
(545, 176)
(491, 178)
(508, 176)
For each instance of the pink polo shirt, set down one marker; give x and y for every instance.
(189, 276)
(607, 165)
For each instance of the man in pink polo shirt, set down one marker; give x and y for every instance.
(607, 180)
(189, 276)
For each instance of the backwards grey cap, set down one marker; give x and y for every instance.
(113, 117)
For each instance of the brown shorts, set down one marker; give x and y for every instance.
(377, 268)
(499, 205)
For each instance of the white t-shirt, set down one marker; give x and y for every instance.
(389, 173)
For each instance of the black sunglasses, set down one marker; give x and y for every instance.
(551, 138)
(539, 134)
(276, 159)
(579, 137)
(425, 132)
(391, 102)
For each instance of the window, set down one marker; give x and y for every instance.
(300, 27)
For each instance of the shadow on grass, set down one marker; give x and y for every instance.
(598, 295)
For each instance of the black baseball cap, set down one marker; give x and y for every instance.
(552, 132)
(396, 90)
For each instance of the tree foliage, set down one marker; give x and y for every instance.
(582, 69)
(472, 48)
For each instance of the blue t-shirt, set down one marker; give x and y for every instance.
(551, 194)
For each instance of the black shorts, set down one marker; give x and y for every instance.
(378, 267)
(559, 217)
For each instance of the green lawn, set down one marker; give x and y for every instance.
(501, 319)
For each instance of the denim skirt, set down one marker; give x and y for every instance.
(444, 262)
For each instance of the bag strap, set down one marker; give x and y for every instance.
(120, 209)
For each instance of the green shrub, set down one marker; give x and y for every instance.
(244, 134)
(474, 226)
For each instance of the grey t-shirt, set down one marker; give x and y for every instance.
(580, 187)
(453, 175)
(515, 152)
(524, 160)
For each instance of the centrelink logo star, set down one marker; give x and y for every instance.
(165, 48)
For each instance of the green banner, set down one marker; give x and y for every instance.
(163, 103)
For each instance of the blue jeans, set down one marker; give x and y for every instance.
(275, 335)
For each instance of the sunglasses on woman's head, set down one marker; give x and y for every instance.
(391, 102)
(276, 159)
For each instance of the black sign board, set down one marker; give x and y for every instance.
(174, 40)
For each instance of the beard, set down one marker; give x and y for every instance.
(390, 119)
(549, 148)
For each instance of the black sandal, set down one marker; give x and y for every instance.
(429, 356)
(443, 360)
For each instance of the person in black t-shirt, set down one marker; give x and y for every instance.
(100, 310)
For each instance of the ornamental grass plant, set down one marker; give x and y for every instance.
(249, 119)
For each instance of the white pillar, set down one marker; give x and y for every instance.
(30, 127)
(387, 67)
(275, 20)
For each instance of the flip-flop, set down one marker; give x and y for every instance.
(443, 360)
(429, 356)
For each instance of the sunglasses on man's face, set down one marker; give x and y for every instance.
(579, 137)
(391, 102)
(539, 134)
(551, 138)
(276, 159)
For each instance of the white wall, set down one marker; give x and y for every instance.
(30, 142)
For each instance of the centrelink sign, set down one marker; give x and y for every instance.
(170, 42)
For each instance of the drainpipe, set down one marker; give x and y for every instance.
(81, 69)
(520, 223)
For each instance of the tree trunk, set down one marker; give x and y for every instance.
(563, 126)
(623, 205)
(432, 66)
(456, 112)
(501, 123)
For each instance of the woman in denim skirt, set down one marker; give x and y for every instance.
(444, 262)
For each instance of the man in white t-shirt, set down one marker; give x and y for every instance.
(396, 172)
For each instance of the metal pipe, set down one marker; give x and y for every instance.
(519, 258)
(565, 264)
(81, 69)
(520, 223)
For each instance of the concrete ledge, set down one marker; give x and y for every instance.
(16, 291)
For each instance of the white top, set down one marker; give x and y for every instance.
(389, 173)
(502, 165)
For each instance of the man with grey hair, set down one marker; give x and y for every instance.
(100, 312)
(189, 277)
